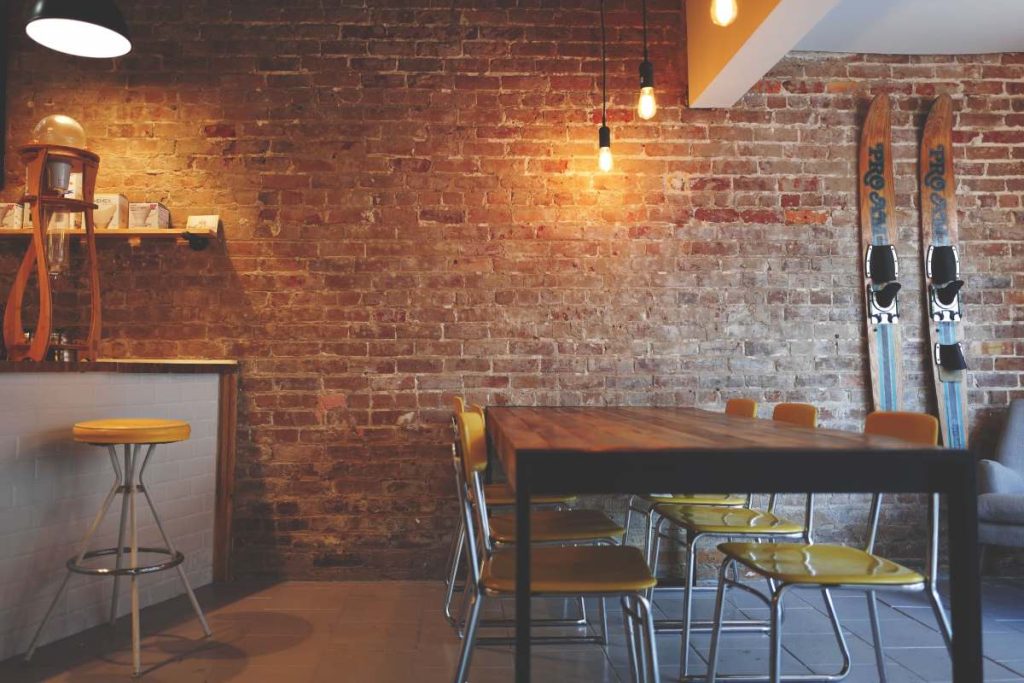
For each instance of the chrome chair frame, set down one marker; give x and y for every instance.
(778, 591)
(456, 555)
(459, 620)
(637, 613)
(686, 626)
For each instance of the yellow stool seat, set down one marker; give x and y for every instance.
(821, 564)
(580, 569)
(131, 430)
(501, 494)
(739, 521)
(720, 499)
(549, 526)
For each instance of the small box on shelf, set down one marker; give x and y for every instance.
(148, 215)
(111, 212)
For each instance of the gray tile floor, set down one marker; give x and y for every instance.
(298, 632)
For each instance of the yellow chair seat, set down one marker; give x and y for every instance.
(726, 499)
(580, 569)
(501, 494)
(131, 430)
(820, 564)
(549, 526)
(727, 520)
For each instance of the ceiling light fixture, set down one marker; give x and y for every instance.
(723, 12)
(604, 134)
(646, 107)
(84, 28)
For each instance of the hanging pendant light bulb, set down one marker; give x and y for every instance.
(646, 107)
(604, 149)
(604, 133)
(723, 12)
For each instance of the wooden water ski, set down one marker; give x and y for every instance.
(881, 267)
(941, 268)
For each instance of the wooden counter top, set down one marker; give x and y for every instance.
(140, 365)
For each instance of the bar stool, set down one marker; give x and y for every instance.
(133, 434)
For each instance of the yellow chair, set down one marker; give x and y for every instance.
(702, 523)
(555, 571)
(644, 504)
(132, 434)
(552, 526)
(741, 407)
(829, 566)
(497, 495)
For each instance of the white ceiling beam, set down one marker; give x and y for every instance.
(723, 63)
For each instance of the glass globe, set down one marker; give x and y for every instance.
(58, 129)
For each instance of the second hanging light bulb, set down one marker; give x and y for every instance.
(604, 151)
(646, 106)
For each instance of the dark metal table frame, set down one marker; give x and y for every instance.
(708, 470)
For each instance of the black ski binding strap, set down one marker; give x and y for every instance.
(882, 268)
(950, 357)
(945, 302)
(883, 307)
(881, 264)
(942, 264)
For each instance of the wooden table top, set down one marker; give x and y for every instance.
(647, 430)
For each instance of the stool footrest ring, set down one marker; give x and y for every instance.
(175, 558)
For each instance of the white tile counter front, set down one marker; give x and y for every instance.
(51, 488)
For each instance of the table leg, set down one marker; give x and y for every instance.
(965, 576)
(522, 572)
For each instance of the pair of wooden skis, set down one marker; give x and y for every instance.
(941, 264)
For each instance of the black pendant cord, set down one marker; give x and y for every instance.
(604, 73)
(644, 5)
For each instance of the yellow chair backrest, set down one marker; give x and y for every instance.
(741, 407)
(799, 414)
(458, 404)
(479, 410)
(473, 440)
(915, 427)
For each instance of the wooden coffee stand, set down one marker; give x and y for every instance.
(44, 203)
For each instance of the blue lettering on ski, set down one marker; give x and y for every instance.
(875, 179)
(935, 180)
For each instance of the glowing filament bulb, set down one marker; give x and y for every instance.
(604, 152)
(646, 107)
(723, 12)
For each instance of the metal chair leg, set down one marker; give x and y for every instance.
(458, 548)
(775, 651)
(470, 638)
(876, 636)
(837, 630)
(940, 616)
(602, 611)
(691, 576)
(649, 538)
(629, 625)
(81, 553)
(716, 628)
(170, 546)
(654, 539)
(629, 517)
(646, 617)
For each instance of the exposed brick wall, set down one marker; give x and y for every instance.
(412, 210)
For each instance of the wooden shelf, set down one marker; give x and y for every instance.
(193, 237)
